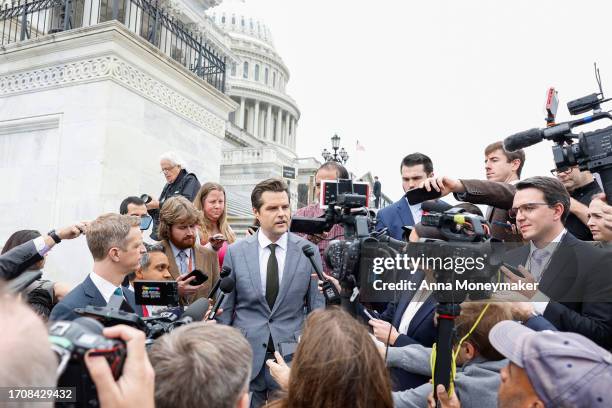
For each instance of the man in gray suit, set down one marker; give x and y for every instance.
(274, 290)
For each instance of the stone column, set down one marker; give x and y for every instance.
(256, 120)
(287, 120)
(295, 124)
(269, 123)
(249, 119)
(241, 114)
(279, 121)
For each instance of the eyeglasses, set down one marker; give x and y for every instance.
(526, 209)
(556, 172)
(167, 170)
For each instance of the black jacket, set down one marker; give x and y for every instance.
(18, 259)
(186, 185)
(578, 282)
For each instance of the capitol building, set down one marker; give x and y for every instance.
(93, 91)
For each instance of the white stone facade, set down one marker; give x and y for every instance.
(84, 115)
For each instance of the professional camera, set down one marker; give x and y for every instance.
(593, 150)
(71, 341)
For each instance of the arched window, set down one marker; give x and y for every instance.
(266, 76)
(245, 70)
(256, 72)
(223, 20)
(274, 80)
(233, 20)
(242, 21)
(233, 69)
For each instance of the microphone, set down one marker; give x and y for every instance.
(225, 272)
(435, 206)
(226, 286)
(329, 290)
(523, 139)
(195, 312)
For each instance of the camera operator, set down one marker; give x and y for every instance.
(178, 226)
(23, 256)
(202, 365)
(574, 281)
(135, 387)
(330, 170)
(414, 169)
(178, 183)
(27, 359)
(582, 187)
(115, 242)
(550, 369)
(600, 231)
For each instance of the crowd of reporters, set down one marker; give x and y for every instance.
(275, 343)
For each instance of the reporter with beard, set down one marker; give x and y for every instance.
(178, 224)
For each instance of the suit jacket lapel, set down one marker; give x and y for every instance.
(560, 273)
(404, 212)
(423, 312)
(91, 291)
(251, 258)
(292, 259)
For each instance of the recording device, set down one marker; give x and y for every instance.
(22, 281)
(225, 272)
(329, 290)
(418, 195)
(513, 269)
(145, 222)
(200, 277)
(71, 341)
(552, 103)
(331, 190)
(157, 293)
(593, 150)
(227, 286)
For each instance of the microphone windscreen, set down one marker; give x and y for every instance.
(225, 271)
(523, 139)
(196, 310)
(227, 285)
(435, 206)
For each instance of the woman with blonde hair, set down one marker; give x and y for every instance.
(215, 232)
(336, 364)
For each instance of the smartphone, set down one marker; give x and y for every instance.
(418, 195)
(218, 237)
(513, 269)
(200, 277)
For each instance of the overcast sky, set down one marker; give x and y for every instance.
(441, 77)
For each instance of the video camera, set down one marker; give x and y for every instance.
(593, 151)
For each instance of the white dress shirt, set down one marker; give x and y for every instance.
(415, 304)
(416, 211)
(176, 251)
(105, 287)
(540, 300)
(264, 255)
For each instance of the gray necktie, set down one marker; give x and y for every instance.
(536, 266)
(182, 262)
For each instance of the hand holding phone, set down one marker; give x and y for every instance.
(418, 195)
(513, 269)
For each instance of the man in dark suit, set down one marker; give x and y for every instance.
(414, 169)
(377, 190)
(274, 289)
(115, 242)
(575, 285)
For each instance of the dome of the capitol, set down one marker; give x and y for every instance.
(236, 17)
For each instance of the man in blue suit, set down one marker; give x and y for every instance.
(415, 168)
(115, 242)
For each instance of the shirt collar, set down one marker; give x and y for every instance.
(105, 287)
(175, 250)
(264, 241)
(552, 244)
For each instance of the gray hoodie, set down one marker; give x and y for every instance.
(476, 383)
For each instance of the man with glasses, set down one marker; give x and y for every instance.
(575, 286)
(582, 187)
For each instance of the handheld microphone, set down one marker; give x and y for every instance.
(225, 272)
(329, 290)
(523, 139)
(226, 287)
(195, 312)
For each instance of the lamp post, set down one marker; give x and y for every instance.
(337, 156)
